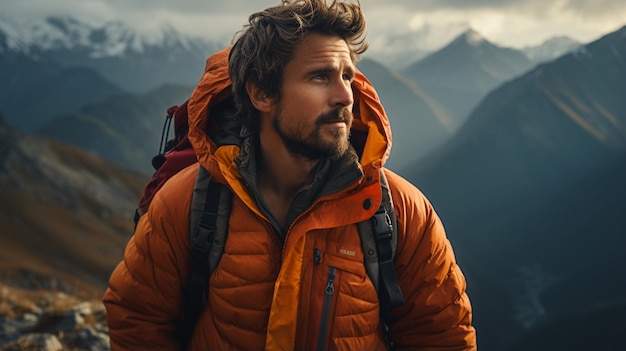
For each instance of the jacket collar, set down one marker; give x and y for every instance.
(331, 177)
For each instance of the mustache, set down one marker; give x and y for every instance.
(341, 114)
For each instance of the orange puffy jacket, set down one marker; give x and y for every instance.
(267, 294)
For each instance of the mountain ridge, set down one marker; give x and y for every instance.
(460, 74)
(110, 38)
(417, 121)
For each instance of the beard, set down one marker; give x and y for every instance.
(313, 146)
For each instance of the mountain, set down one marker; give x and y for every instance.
(418, 123)
(65, 214)
(551, 49)
(35, 89)
(459, 75)
(531, 190)
(135, 61)
(125, 129)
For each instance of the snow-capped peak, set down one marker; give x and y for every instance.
(106, 39)
(473, 38)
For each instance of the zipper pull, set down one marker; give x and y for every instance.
(330, 285)
(317, 256)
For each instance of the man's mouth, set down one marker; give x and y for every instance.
(339, 116)
(334, 121)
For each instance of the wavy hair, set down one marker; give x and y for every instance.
(266, 44)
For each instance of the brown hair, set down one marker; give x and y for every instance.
(266, 44)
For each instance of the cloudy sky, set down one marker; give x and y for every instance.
(513, 23)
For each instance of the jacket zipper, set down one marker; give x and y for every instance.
(328, 298)
(309, 209)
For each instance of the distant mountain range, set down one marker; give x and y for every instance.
(462, 73)
(64, 212)
(532, 189)
(418, 123)
(431, 98)
(134, 61)
(110, 128)
(399, 50)
(125, 129)
(33, 90)
(58, 65)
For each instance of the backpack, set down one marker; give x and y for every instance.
(210, 211)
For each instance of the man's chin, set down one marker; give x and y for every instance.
(335, 131)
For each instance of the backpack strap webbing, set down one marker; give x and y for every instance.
(379, 239)
(210, 210)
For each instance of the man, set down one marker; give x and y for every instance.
(305, 171)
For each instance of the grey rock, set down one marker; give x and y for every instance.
(35, 342)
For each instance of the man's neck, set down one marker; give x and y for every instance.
(282, 172)
(281, 175)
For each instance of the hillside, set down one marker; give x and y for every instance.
(125, 130)
(65, 214)
(418, 123)
(34, 90)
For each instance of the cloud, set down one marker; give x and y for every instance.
(431, 23)
(582, 7)
(513, 23)
(228, 7)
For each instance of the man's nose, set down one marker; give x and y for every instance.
(342, 94)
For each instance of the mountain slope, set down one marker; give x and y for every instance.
(64, 213)
(33, 92)
(459, 75)
(125, 130)
(532, 190)
(561, 118)
(418, 124)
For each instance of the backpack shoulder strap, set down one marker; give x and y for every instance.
(379, 239)
(208, 228)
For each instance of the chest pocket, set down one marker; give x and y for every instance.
(341, 296)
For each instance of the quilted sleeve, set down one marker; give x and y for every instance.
(437, 314)
(144, 298)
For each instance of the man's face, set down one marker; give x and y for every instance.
(314, 114)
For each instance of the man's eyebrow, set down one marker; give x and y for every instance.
(315, 71)
(350, 70)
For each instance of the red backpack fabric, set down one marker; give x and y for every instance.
(174, 155)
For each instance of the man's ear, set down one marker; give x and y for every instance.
(259, 98)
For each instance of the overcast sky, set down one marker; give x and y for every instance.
(513, 23)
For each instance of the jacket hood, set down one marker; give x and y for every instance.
(212, 125)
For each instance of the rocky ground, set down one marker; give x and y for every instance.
(47, 320)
